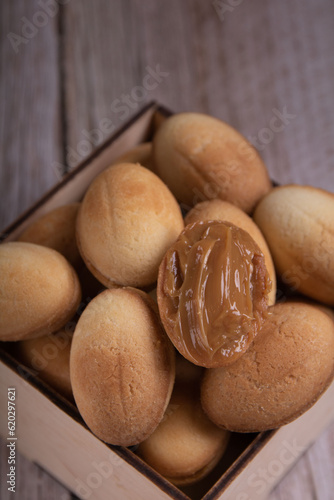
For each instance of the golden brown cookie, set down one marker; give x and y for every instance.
(200, 157)
(284, 372)
(225, 211)
(298, 224)
(122, 366)
(49, 357)
(212, 292)
(127, 220)
(141, 154)
(56, 230)
(39, 291)
(186, 445)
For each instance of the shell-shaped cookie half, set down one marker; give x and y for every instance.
(298, 224)
(200, 157)
(39, 291)
(49, 357)
(186, 445)
(122, 366)
(284, 372)
(127, 220)
(56, 229)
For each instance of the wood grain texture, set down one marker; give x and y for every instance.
(312, 476)
(260, 62)
(29, 118)
(34, 483)
(245, 62)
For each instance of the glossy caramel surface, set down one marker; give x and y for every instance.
(212, 292)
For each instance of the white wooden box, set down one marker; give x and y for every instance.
(51, 432)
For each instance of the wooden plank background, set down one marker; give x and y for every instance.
(66, 71)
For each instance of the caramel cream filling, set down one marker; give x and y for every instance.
(215, 289)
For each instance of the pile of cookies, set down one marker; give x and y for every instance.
(166, 272)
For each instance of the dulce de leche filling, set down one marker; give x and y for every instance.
(212, 292)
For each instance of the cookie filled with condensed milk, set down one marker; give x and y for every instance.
(212, 292)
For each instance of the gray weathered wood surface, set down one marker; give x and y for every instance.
(267, 68)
